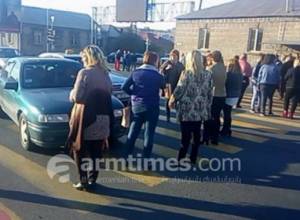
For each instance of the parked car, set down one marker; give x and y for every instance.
(139, 58)
(111, 57)
(6, 53)
(34, 93)
(117, 79)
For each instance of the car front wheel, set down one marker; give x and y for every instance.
(24, 134)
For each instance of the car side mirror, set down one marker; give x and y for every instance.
(11, 84)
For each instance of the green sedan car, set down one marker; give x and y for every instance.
(34, 93)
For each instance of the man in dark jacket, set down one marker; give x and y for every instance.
(288, 64)
(172, 70)
(144, 86)
(292, 80)
(128, 61)
(133, 61)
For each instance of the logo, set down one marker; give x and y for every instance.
(60, 165)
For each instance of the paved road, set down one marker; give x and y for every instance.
(266, 187)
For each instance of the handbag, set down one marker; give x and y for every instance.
(168, 91)
(126, 117)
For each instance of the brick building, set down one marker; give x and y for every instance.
(10, 12)
(251, 26)
(72, 30)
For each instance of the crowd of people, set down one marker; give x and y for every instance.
(199, 91)
(269, 75)
(127, 59)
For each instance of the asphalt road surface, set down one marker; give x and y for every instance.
(265, 186)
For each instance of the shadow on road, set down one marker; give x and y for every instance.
(131, 212)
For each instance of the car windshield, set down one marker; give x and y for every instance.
(49, 74)
(8, 53)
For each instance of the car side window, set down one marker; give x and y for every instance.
(14, 73)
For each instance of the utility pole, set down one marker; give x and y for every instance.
(51, 33)
(47, 26)
(93, 19)
(200, 5)
(287, 6)
(147, 44)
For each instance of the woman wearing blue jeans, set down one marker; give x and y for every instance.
(255, 101)
(144, 86)
(268, 81)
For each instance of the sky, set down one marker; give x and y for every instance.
(84, 6)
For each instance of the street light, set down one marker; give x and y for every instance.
(200, 5)
(52, 18)
(50, 30)
(147, 44)
(98, 36)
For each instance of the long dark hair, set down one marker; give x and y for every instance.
(269, 59)
(234, 66)
(217, 56)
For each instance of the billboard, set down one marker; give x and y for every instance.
(10, 11)
(131, 10)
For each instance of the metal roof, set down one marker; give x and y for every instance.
(247, 9)
(33, 15)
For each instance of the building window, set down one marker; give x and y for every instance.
(203, 40)
(74, 38)
(10, 38)
(255, 39)
(2, 39)
(37, 37)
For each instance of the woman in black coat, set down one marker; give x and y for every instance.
(234, 82)
(292, 81)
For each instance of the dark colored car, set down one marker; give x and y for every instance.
(34, 93)
(111, 57)
(139, 58)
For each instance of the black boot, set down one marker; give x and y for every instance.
(182, 153)
(194, 153)
(226, 133)
(215, 140)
